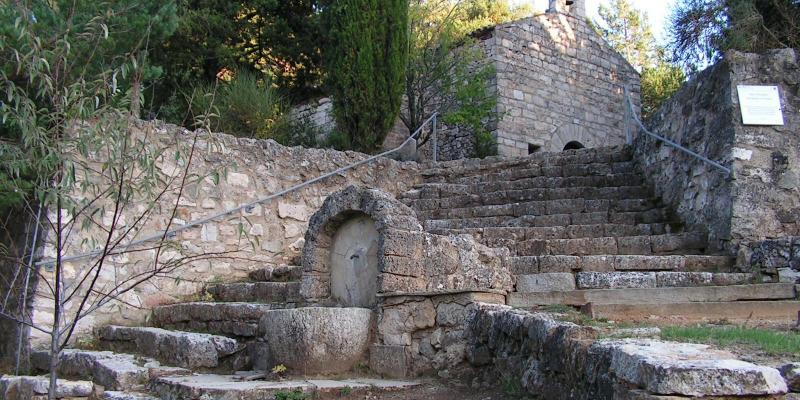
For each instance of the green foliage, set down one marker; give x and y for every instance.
(769, 341)
(296, 394)
(658, 84)
(366, 59)
(283, 39)
(702, 31)
(476, 14)
(201, 46)
(244, 106)
(447, 71)
(628, 31)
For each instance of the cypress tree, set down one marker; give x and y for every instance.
(366, 58)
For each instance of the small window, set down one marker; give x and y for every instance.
(574, 145)
(533, 148)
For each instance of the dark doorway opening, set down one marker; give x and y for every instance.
(574, 145)
(533, 148)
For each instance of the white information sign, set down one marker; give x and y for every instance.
(761, 105)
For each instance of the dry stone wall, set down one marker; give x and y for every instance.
(269, 233)
(553, 359)
(763, 200)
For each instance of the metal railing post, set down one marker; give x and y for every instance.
(627, 122)
(435, 139)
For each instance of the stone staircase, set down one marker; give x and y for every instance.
(585, 229)
(202, 349)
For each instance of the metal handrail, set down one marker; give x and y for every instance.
(262, 200)
(630, 112)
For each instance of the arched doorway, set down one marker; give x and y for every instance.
(574, 145)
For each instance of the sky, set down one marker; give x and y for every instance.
(657, 11)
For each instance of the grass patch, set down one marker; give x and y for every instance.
(771, 342)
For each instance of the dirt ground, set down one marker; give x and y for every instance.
(429, 390)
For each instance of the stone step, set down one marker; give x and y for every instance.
(608, 263)
(504, 236)
(592, 175)
(677, 243)
(184, 349)
(430, 200)
(735, 311)
(658, 215)
(224, 387)
(37, 388)
(114, 395)
(566, 281)
(670, 371)
(238, 320)
(438, 190)
(255, 292)
(629, 279)
(539, 208)
(657, 296)
(279, 273)
(112, 371)
(465, 168)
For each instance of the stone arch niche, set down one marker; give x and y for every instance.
(349, 241)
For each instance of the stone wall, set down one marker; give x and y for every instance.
(550, 359)
(763, 201)
(557, 81)
(231, 246)
(766, 191)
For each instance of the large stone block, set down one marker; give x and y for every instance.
(389, 361)
(317, 340)
(669, 368)
(546, 282)
(184, 349)
(615, 280)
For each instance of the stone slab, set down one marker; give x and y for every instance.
(732, 311)
(231, 387)
(669, 368)
(26, 387)
(546, 282)
(256, 292)
(615, 280)
(184, 349)
(656, 295)
(112, 395)
(111, 370)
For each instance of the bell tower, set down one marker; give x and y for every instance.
(576, 8)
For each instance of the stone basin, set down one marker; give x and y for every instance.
(317, 340)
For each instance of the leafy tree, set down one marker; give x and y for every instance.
(366, 60)
(68, 141)
(628, 31)
(202, 46)
(447, 72)
(658, 84)
(702, 31)
(243, 106)
(283, 39)
(129, 28)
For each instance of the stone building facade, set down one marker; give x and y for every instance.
(559, 85)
